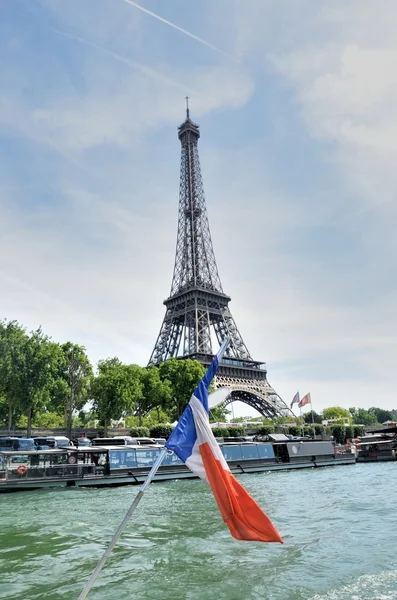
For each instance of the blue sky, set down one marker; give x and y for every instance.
(297, 108)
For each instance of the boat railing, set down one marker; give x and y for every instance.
(23, 471)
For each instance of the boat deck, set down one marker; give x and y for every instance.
(127, 465)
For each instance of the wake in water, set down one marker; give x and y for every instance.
(382, 586)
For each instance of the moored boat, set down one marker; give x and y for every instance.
(380, 444)
(122, 465)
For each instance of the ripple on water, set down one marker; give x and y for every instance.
(338, 525)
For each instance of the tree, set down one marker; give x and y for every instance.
(220, 415)
(353, 412)
(139, 432)
(294, 430)
(265, 430)
(157, 393)
(236, 431)
(3, 410)
(76, 372)
(183, 376)
(135, 390)
(361, 416)
(381, 414)
(339, 433)
(13, 338)
(37, 369)
(116, 390)
(349, 432)
(319, 429)
(337, 412)
(48, 420)
(87, 419)
(358, 431)
(220, 431)
(316, 417)
(161, 430)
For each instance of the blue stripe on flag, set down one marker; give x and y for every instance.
(184, 436)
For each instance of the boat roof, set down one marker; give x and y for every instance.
(73, 449)
(383, 429)
(36, 452)
(376, 443)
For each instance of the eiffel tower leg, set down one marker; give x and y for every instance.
(168, 340)
(226, 327)
(256, 393)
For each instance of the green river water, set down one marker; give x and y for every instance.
(339, 527)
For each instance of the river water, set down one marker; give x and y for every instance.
(339, 526)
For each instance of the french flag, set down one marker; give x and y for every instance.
(193, 441)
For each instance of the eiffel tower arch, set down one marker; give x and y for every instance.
(197, 309)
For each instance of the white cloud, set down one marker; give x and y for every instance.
(111, 111)
(347, 89)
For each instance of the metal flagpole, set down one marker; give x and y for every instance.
(311, 406)
(303, 427)
(133, 506)
(124, 522)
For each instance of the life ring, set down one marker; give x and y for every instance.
(22, 469)
(71, 460)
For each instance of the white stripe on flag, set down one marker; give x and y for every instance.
(204, 434)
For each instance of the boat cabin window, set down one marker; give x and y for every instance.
(249, 452)
(36, 459)
(172, 459)
(232, 452)
(266, 451)
(18, 459)
(122, 459)
(146, 457)
(137, 457)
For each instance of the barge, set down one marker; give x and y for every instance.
(97, 466)
(379, 445)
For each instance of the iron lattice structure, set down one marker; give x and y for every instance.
(197, 310)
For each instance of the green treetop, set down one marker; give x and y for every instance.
(183, 376)
(337, 412)
(76, 373)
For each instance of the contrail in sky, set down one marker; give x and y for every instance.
(132, 64)
(191, 35)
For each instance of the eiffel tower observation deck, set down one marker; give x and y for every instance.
(197, 309)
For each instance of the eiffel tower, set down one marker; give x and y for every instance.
(197, 309)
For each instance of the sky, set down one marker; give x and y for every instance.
(296, 103)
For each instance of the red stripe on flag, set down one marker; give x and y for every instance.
(245, 519)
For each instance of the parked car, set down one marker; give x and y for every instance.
(123, 440)
(52, 441)
(82, 442)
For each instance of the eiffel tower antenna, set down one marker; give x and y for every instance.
(197, 309)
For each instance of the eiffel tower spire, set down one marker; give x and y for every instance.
(195, 265)
(197, 310)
